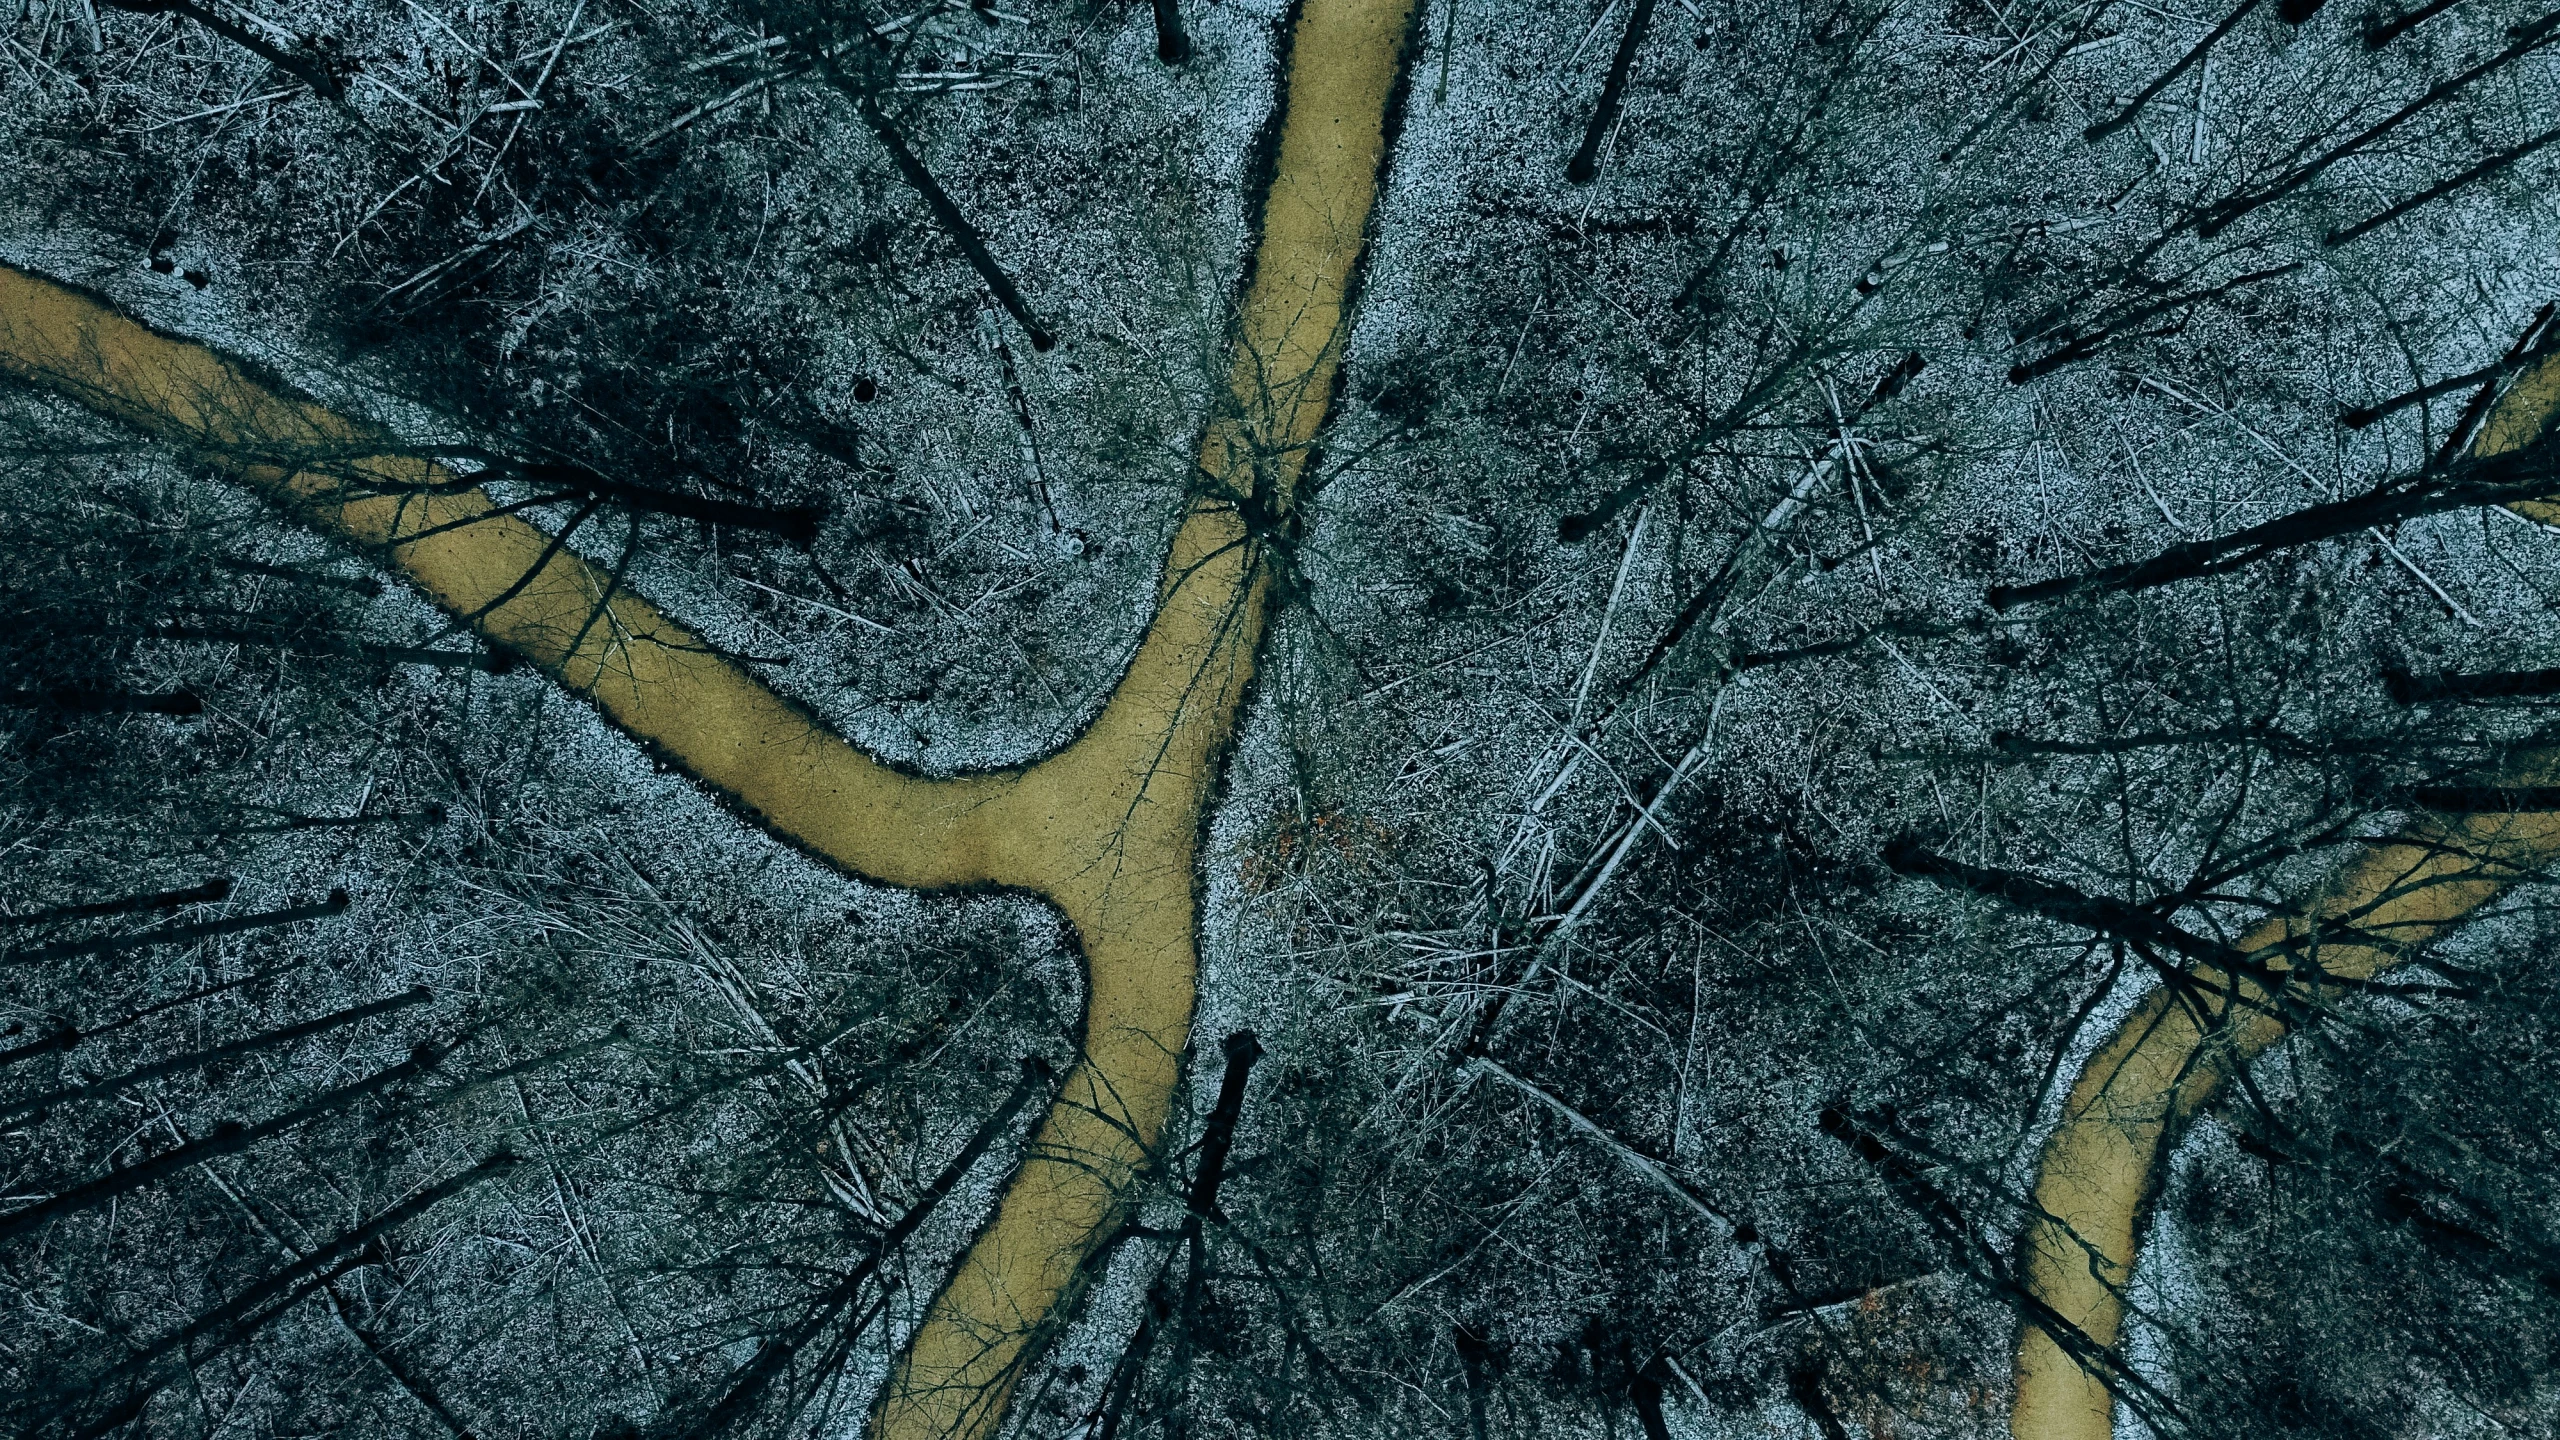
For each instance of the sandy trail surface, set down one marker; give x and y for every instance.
(2103, 1162)
(1107, 828)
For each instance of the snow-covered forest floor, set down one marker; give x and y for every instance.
(1647, 609)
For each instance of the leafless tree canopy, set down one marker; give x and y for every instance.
(1858, 542)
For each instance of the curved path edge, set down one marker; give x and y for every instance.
(1108, 828)
(2104, 1161)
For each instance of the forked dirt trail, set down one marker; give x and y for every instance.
(1107, 828)
(2103, 1163)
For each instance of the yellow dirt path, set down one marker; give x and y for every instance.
(2164, 1063)
(1107, 828)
